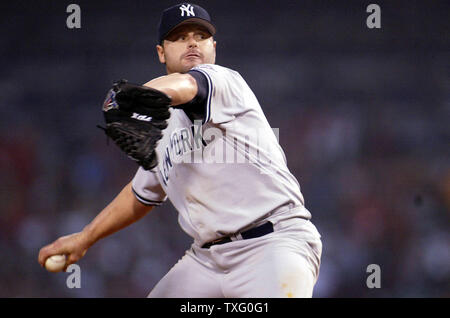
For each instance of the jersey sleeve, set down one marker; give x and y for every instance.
(224, 99)
(196, 108)
(147, 189)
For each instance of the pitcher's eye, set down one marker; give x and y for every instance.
(202, 36)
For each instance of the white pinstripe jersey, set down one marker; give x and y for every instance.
(225, 173)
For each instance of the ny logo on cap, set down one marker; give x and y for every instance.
(188, 9)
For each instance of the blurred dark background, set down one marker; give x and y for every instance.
(363, 117)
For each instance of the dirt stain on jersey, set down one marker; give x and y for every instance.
(289, 294)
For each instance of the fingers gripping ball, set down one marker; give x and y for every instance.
(135, 117)
(55, 263)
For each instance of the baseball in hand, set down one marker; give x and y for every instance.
(55, 263)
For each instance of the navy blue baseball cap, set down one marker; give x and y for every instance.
(183, 13)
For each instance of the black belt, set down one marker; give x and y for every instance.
(258, 231)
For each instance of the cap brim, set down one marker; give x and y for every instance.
(211, 28)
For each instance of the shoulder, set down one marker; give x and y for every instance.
(214, 69)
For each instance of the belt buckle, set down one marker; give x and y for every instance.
(236, 236)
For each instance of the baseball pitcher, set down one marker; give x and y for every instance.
(202, 141)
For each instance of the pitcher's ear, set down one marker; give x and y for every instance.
(161, 56)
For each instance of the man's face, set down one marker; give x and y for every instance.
(185, 47)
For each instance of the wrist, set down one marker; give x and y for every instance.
(87, 236)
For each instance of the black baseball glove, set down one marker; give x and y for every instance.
(135, 117)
